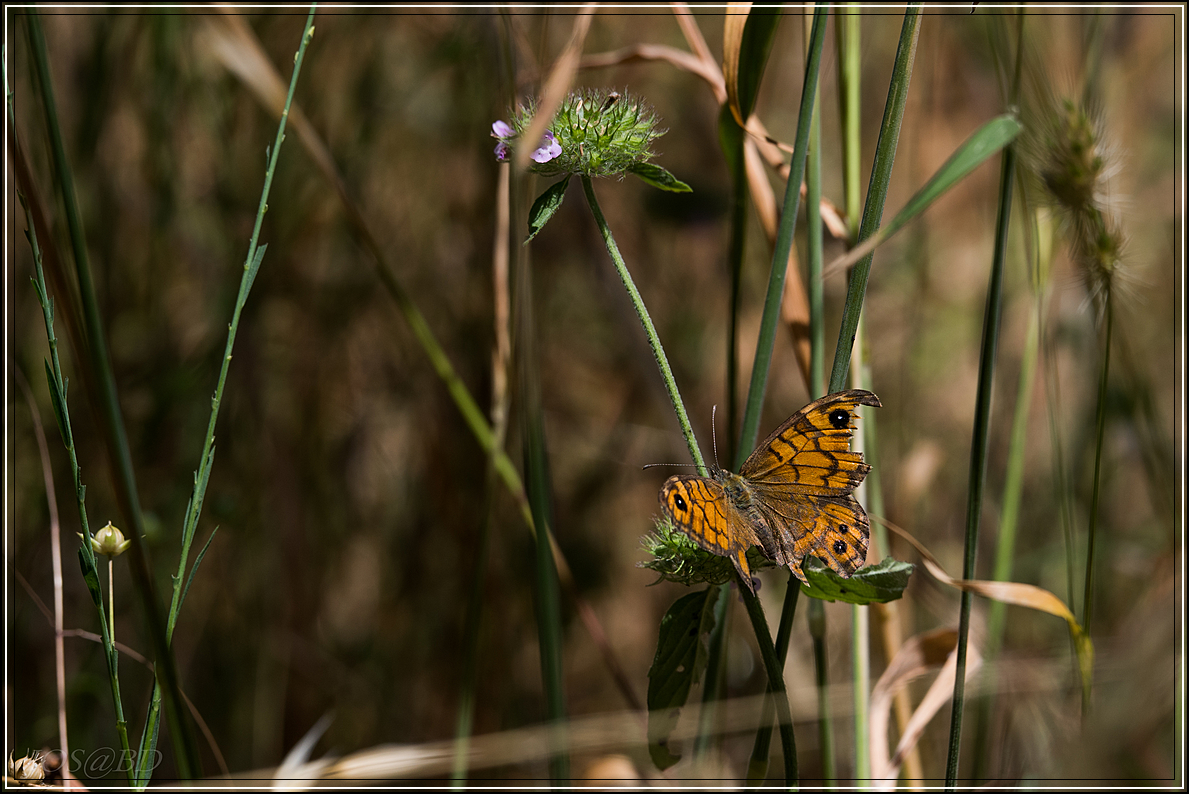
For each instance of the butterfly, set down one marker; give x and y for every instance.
(792, 497)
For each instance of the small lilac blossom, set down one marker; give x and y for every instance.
(501, 129)
(501, 152)
(549, 149)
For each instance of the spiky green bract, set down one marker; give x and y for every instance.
(678, 559)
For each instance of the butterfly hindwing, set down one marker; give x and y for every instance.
(701, 509)
(810, 452)
(832, 528)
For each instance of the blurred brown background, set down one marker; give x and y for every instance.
(349, 493)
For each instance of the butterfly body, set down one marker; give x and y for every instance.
(792, 496)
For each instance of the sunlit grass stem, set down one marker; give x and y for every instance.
(251, 267)
(58, 391)
(978, 453)
(119, 453)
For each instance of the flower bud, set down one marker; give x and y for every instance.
(109, 541)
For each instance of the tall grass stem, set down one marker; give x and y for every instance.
(978, 453)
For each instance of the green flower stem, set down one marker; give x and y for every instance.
(978, 453)
(757, 767)
(58, 386)
(654, 341)
(714, 679)
(206, 459)
(188, 762)
(847, 36)
(775, 669)
(877, 190)
(1099, 429)
(825, 728)
(784, 244)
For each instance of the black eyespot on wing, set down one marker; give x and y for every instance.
(839, 547)
(843, 528)
(839, 418)
(679, 503)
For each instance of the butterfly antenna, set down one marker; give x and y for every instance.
(651, 465)
(714, 435)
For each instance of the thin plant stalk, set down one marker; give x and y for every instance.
(817, 386)
(251, 267)
(775, 670)
(536, 468)
(499, 423)
(1006, 540)
(881, 171)
(860, 614)
(757, 768)
(877, 190)
(847, 38)
(58, 386)
(1099, 429)
(51, 498)
(784, 243)
(188, 761)
(714, 679)
(978, 454)
(654, 340)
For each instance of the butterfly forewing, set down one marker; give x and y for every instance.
(701, 509)
(810, 453)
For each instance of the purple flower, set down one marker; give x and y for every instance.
(501, 151)
(548, 150)
(500, 129)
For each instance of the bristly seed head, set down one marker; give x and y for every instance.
(594, 133)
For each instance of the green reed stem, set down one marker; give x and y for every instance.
(821, 678)
(251, 267)
(784, 243)
(774, 667)
(1013, 487)
(714, 679)
(847, 39)
(188, 761)
(536, 473)
(877, 190)
(731, 136)
(1099, 430)
(58, 388)
(654, 340)
(978, 453)
(757, 766)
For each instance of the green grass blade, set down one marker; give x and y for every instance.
(188, 761)
(974, 151)
(784, 244)
(877, 191)
(978, 454)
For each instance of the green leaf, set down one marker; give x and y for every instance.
(974, 151)
(546, 204)
(91, 577)
(874, 584)
(658, 177)
(253, 269)
(681, 655)
(56, 399)
(758, 35)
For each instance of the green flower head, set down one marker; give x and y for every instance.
(595, 132)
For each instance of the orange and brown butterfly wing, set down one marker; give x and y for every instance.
(802, 477)
(832, 528)
(700, 508)
(810, 452)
